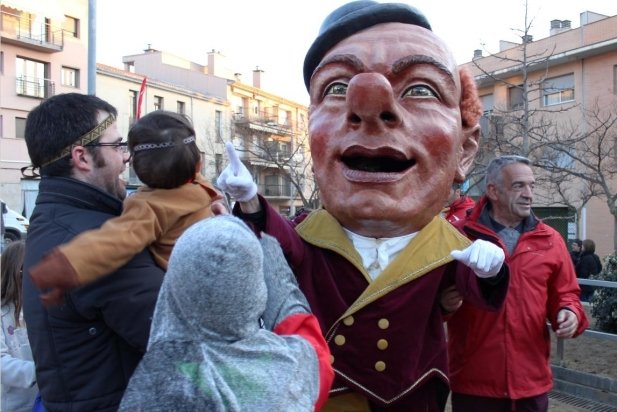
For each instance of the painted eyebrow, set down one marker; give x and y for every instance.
(398, 66)
(346, 59)
(408, 61)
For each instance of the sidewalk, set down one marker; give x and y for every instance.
(554, 405)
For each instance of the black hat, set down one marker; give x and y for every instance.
(352, 17)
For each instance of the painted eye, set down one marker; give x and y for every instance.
(336, 89)
(419, 90)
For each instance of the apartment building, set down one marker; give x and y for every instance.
(569, 73)
(121, 88)
(44, 51)
(268, 131)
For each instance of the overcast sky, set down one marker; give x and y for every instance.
(275, 34)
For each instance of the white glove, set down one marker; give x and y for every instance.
(484, 258)
(236, 178)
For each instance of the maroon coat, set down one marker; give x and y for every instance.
(386, 336)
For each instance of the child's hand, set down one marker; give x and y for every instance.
(56, 273)
(236, 179)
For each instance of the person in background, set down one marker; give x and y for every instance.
(231, 330)
(393, 123)
(166, 159)
(86, 349)
(588, 264)
(457, 204)
(19, 388)
(499, 361)
(575, 250)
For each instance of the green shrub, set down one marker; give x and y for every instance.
(604, 300)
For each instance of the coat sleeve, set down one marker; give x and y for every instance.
(18, 373)
(306, 326)
(98, 252)
(488, 294)
(283, 230)
(287, 311)
(563, 289)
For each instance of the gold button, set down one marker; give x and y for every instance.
(331, 359)
(339, 340)
(383, 323)
(348, 321)
(382, 344)
(380, 366)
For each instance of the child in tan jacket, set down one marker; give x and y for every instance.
(166, 159)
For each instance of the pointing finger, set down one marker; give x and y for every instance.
(234, 160)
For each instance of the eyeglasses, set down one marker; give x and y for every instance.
(120, 146)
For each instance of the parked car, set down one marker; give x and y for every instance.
(14, 226)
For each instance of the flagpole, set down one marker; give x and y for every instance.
(142, 90)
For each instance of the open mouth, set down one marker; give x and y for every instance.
(381, 160)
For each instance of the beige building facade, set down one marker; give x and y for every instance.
(44, 51)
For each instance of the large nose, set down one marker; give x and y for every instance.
(371, 100)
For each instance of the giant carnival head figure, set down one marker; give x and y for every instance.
(393, 121)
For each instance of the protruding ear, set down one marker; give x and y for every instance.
(471, 110)
(467, 152)
(82, 160)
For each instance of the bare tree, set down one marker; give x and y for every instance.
(292, 160)
(573, 147)
(585, 153)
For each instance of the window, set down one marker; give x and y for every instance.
(181, 107)
(20, 127)
(558, 90)
(558, 156)
(272, 186)
(1, 62)
(71, 26)
(70, 77)
(158, 103)
(129, 67)
(218, 126)
(30, 78)
(218, 163)
(132, 106)
(515, 97)
(614, 78)
(487, 104)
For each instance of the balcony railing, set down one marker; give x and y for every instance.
(264, 122)
(275, 190)
(34, 87)
(21, 30)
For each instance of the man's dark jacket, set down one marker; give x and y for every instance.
(86, 349)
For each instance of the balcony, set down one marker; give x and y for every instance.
(275, 190)
(23, 32)
(264, 123)
(34, 87)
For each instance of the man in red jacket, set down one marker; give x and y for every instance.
(500, 360)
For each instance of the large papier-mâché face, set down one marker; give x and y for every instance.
(385, 129)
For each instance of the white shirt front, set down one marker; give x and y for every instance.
(377, 253)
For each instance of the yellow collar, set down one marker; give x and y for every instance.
(429, 249)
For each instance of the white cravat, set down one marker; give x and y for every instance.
(377, 253)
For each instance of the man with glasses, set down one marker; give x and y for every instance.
(86, 349)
